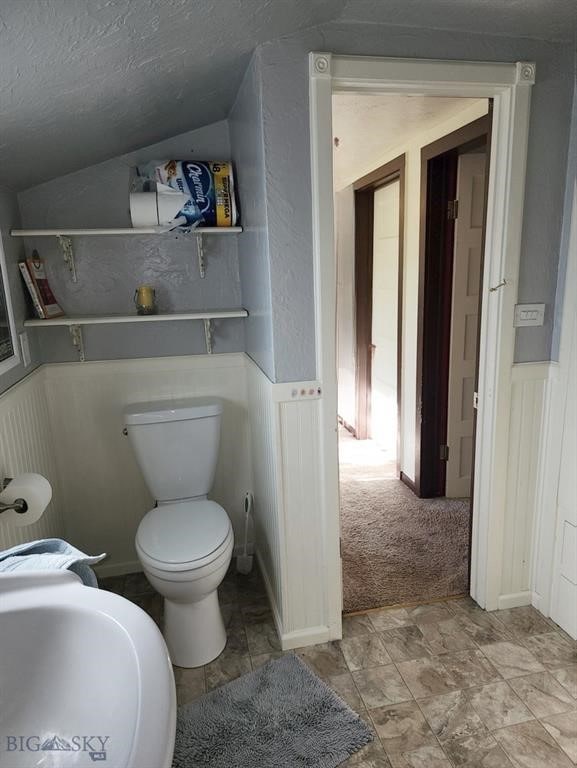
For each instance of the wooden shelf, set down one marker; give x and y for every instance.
(69, 320)
(65, 232)
(64, 237)
(74, 323)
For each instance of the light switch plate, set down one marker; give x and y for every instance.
(529, 314)
(25, 349)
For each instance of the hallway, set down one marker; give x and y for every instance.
(396, 548)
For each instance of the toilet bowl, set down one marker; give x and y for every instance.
(185, 562)
(185, 543)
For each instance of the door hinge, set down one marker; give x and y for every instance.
(444, 452)
(453, 210)
(476, 400)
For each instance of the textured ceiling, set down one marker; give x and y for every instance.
(85, 80)
(369, 126)
(543, 19)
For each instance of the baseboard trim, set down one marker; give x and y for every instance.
(515, 600)
(302, 637)
(408, 482)
(298, 638)
(271, 597)
(118, 569)
(540, 603)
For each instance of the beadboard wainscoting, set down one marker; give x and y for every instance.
(26, 445)
(266, 474)
(530, 390)
(65, 421)
(103, 493)
(285, 434)
(287, 476)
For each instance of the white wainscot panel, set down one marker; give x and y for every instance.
(266, 460)
(26, 445)
(530, 383)
(104, 495)
(306, 619)
(287, 476)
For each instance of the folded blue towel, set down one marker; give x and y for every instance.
(49, 555)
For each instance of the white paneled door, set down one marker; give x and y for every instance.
(384, 321)
(564, 591)
(564, 603)
(465, 322)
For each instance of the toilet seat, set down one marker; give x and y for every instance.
(183, 536)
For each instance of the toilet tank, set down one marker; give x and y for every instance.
(176, 445)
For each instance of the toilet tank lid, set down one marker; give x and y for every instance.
(171, 410)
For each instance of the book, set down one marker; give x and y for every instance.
(37, 270)
(31, 290)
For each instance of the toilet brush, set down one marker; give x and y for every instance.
(244, 561)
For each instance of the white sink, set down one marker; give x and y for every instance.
(85, 678)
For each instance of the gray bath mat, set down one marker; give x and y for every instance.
(282, 715)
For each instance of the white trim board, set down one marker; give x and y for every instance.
(514, 600)
(509, 85)
(289, 530)
(271, 596)
(105, 571)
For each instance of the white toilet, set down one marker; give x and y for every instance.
(185, 543)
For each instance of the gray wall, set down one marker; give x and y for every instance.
(109, 268)
(246, 137)
(14, 252)
(269, 126)
(566, 231)
(284, 73)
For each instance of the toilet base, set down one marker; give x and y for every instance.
(194, 632)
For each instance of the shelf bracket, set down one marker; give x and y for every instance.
(67, 249)
(208, 333)
(201, 257)
(78, 341)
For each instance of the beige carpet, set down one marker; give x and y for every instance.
(397, 548)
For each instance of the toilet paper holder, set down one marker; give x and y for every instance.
(18, 505)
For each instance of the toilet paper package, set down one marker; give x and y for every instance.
(208, 185)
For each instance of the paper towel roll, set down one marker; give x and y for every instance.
(35, 490)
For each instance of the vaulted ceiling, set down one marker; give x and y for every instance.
(367, 126)
(85, 80)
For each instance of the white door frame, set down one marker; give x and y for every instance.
(509, 85)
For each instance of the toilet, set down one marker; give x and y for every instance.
(185, 543)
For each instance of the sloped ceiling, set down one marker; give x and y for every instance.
(541, 19)
(368, 126)
(85, 80)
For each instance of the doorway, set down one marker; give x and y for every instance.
(509, 84)
(379, 200)
(396, 547)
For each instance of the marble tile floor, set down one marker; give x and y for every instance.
(444, 685)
